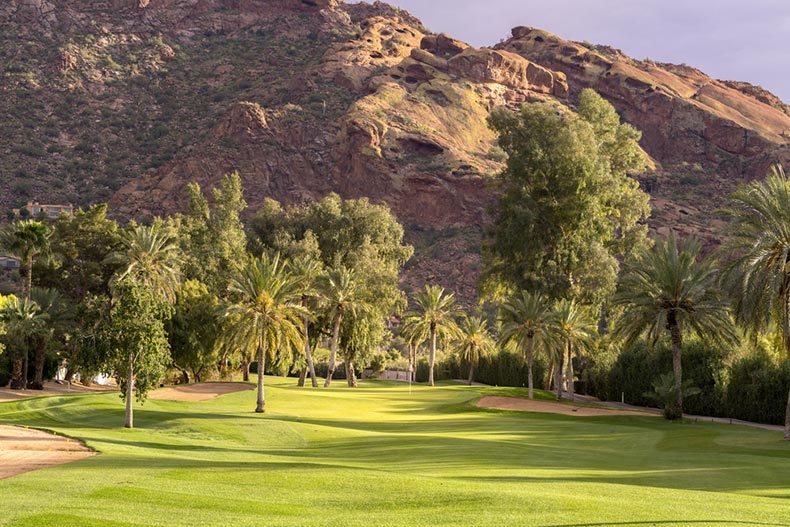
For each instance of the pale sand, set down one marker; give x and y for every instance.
(550, 407)
(199, 392)
(26, 449)
(53, 388)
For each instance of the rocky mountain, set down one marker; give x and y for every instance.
(129, 100)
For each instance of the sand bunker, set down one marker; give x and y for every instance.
(549, 407)
(199, 392)
(26, 449)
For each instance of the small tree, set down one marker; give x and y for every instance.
(434, 316)
(474, 342)
(135, 340)
(574, 330)
(267, 314)
(526, 320)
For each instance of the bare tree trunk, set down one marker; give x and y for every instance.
(571, 391)
(558, 376)
(677, 368)
(433, 354)
(530, 344)
(550, 376)
(38, 380)
(261, 397)
(25, 368)
(245, 371)
(129, 422)
(302, 378)
(471, 372)
(351, 375)
(309, 353)
(16, 373)
(333, 351)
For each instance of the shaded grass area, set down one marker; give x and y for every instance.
(378, 455)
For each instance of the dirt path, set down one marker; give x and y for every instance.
(53, 388)
(26, 449)
(199, 392)
(549, 407)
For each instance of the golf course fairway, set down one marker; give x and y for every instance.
(379, 456)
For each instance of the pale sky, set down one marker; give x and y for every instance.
(746, 40)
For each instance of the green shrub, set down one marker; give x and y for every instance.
(757, 388)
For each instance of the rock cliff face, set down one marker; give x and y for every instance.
(130, 100)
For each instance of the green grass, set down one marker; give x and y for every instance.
(379, 456)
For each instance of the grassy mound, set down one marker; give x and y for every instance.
(379, 456)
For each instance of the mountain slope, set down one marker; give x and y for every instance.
(129, 100)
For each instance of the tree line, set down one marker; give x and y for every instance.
(569, 269)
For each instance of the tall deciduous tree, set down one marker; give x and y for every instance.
(473, 342)
(568, 209)
(434, 315)
(526, 319)
(267, 314)
(666, 289)
(757, 252)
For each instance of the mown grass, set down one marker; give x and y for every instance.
(379, 456)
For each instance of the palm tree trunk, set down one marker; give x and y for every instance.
(261, 397)
(302, 378)
(245, 371)
(41, 348)
(26, 366)
(677, 368)
(129, 421)
(433, 355)
(309, 353)
(29, 276)
(471, 371)
(550, 377)
(558, 376)
(351, 375)
(16, 373)
(333, 351)
(530, 344)
(571, 391)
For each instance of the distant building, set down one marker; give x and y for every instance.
(6, 262)
(52, 211)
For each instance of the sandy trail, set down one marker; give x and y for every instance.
(26, 449)
(53, 388)
(549, 407)
(199, 392)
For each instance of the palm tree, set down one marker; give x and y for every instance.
(756, 270)
(25, 240)
(23, 321)
(340, 295)
(666, 288)
(434, 316)
(413, 333)
(267, 316)
(49, 302)
(150, 257)
(307, 271)
(474, 342)
(525, 318)
(575, 330)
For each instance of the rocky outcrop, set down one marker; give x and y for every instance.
(684, 115)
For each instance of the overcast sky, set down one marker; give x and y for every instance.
(746, 40)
